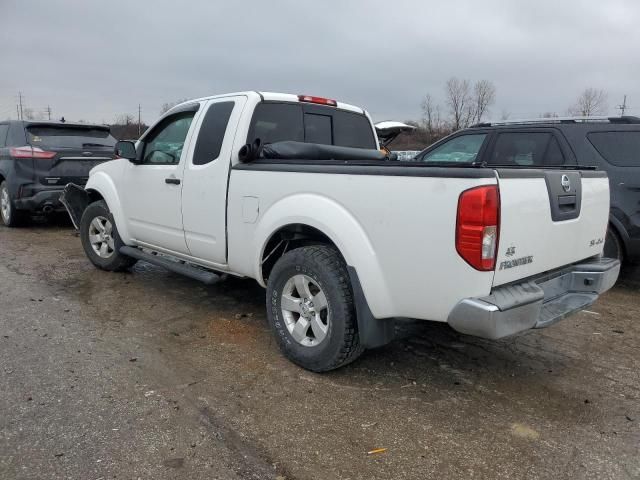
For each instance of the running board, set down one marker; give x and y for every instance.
(182, 268)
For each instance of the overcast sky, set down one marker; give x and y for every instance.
(92, 60)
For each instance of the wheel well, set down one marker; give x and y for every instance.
(612, 226)
(287, 238)
(94, 196)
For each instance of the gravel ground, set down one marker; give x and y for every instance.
(150, 375)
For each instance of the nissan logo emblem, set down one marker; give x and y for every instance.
(566, 184)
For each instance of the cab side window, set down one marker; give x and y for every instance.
(212, 132)
(164, 145)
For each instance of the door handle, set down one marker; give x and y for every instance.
(172, 181)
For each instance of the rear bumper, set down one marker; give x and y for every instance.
(536, 303)
(41, 201)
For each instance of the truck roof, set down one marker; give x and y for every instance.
(274, 97)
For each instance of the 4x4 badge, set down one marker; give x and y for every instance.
(566, 184)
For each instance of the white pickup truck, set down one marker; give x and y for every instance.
(293, 192)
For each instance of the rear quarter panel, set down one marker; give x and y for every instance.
(397, 231)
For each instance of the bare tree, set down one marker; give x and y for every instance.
(459, 102)
(30, 114)
(166, 106)
(592, 101)
(484, 95)
(124, 119)
(431, 117)
(549, 115)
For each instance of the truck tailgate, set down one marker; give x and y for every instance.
(549, 219)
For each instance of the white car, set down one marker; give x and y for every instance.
(292, 191)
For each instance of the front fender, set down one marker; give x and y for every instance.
(344, 230)
(102, 183)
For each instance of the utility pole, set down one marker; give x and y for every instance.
(49, 111)
(623, 107)
(139, 123)
(20, 103)
(18, 111)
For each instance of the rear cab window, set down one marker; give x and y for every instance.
(621, 149)
(276, 122)
(54, 136)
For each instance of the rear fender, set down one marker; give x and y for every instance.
(337, 223)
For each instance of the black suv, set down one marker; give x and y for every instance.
(37, 159)
(609, 143)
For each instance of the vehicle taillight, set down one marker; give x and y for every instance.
(30, 152)
(318, 100)
(478, 226)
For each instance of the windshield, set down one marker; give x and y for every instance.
(70, 137)
(460, 149)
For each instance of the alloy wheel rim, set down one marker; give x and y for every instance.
(101, 237)
(5, 204)
(305, 310)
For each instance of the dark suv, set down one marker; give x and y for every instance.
(609, 143)
(37, 159)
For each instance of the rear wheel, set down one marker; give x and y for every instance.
(311, 310)
(100, 239)
(613, 245)
(10, 216)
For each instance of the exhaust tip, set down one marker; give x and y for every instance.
(48, 208)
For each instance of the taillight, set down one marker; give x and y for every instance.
(318, 100)
(478, 226)
(30, 152)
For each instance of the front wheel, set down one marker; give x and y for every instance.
(100, 239)
(311, 310)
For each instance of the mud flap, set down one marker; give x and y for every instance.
(373, 332)
(75, 199)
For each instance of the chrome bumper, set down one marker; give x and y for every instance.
(536, 303)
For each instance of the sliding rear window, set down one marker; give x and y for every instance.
(618, 148)
(69, 137)
(276, 122)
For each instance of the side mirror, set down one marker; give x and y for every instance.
(126, 149)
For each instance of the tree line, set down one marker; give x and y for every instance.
(467, 103)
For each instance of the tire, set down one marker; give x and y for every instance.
(10, 216)
(613, 245)
(100, 239)
(318, 337)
